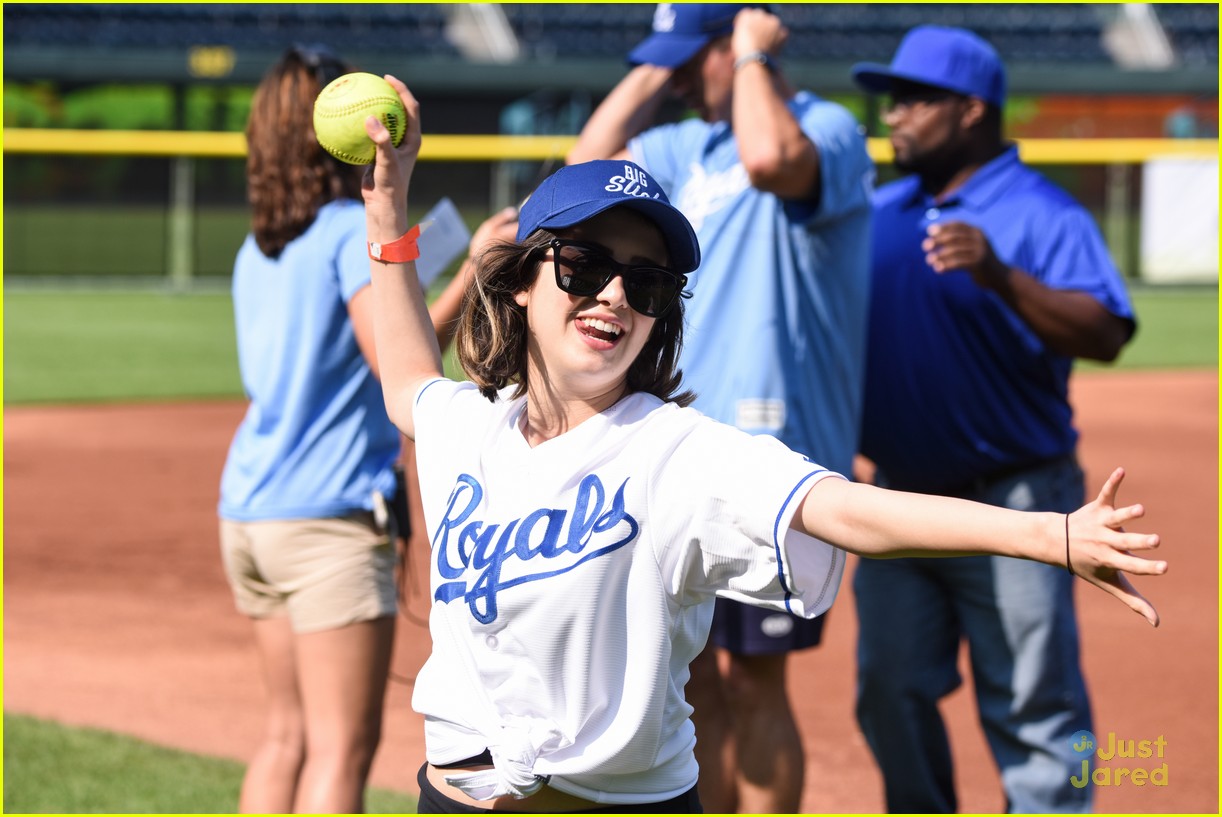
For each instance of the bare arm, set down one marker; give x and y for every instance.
(444, 311)
(777, 155)
(406, 341)
(629, 109)
(878, 523)
(360, 313)
(1069, 323)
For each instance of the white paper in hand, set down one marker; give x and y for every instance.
(443, 236)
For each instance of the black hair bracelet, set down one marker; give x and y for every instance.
(1068, 564)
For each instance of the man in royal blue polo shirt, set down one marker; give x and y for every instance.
(987, 281)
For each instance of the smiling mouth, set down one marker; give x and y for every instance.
(601, 330)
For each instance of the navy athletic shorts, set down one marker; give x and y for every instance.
(747, 630)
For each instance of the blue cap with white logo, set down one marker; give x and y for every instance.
(576, 193)
(953, 59)
(682, 29)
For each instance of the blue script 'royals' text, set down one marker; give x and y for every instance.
(472, 552)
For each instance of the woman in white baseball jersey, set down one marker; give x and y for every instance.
(582, 520)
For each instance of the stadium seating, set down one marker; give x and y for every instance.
(1064, 33)
(1023, 33)
(1193, 31)
(345, 27)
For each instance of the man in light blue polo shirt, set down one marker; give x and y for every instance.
(777, 184)
(987, 281)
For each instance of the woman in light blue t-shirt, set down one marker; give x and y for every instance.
(308, 547)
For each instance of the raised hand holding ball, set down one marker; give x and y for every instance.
(341, 109)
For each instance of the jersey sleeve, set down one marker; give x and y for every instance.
(725, 499)
(441, 405)
(1075, 256)
(846, 171)
(351, 255)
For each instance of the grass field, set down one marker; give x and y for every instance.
(107, 346)
(1177, 328)
(112, 774)
(89, 346)
(122, 240)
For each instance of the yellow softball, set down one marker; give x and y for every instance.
(341, 109)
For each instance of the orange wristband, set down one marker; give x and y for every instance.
(399, 251)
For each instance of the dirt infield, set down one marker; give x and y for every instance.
(116, 614)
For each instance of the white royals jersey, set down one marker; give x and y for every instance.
(573, 582)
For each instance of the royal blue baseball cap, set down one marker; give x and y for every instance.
(954, 59)
(682, 29)
(579, 192)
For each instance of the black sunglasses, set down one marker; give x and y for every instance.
(584, 270)
(907, 99)
(325, 63)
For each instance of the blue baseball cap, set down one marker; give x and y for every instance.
(953, 59)
(682, 29)
(579, 192)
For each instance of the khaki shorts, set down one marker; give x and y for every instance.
(321, 573)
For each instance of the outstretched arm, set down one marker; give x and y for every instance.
(500, 226)
(878, 523)
(406, 342)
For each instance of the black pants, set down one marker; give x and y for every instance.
(432, 801)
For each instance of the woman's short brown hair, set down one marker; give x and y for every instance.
(492, 329)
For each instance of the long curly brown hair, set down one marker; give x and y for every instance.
(492, 329)
(289, 177)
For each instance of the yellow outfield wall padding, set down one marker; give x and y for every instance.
(489, 148)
